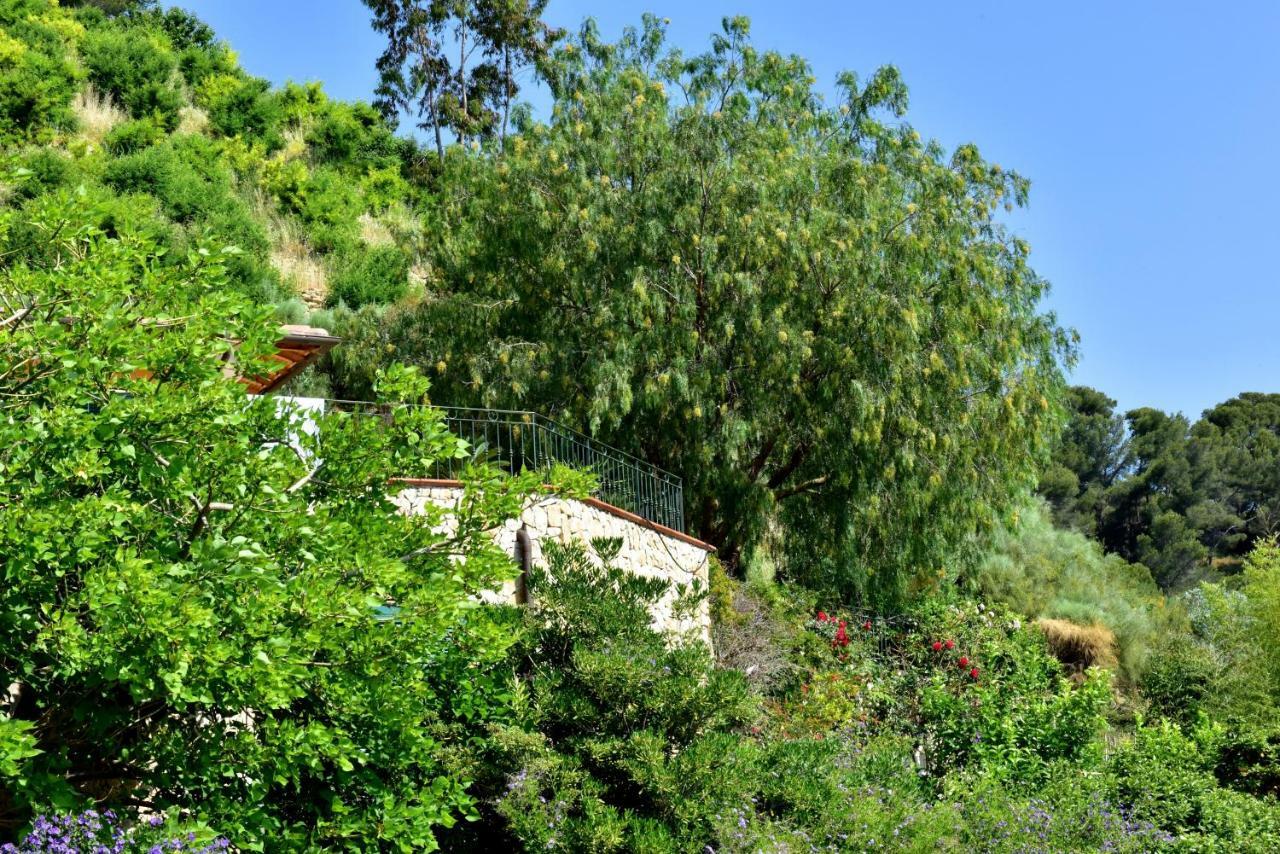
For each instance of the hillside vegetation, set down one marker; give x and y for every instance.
(799, 303)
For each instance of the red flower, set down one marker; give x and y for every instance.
(951, 644)
(822, 617)
(866, 627)
(974, 673)
(964, 661)
(937, 646)
(841, 638)
(842, 624)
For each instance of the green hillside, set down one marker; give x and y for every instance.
(155, 119)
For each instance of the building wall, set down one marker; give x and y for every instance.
(647, 549)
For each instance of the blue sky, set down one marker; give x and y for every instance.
(1149, 132)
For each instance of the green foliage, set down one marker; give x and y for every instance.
(133, 136)
(47, 170)
(37, 76)
(1091, 455)
(134, 66)
(471, 91)
(187, 617)
(1043, 571)
(1177, 679)
(807, 311)
(1170, 494)
(1239, 627)
(624, 740)
(247, 108)
(369, 275)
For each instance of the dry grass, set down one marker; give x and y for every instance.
(96, 113)
(299, 267)
(1080, 647)
(373, 232)
(192, 120)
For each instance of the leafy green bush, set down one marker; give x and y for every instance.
(1177, 680)
(623, 740)
(184, 173)
(198, 63)
(189, 607)
(369, 275)
(248, 109)
(134, 66)
(355, 137)
(133, 136)
(37, 77)
(48, 169)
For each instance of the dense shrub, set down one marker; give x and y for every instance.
(1043, 571)
(134, 66)
(48, 170)
(37, 78)
(1177, 680)
(227, 661)
(184, 173)
(353, 136)
(369, 275)
(133, 136)
(247, 109)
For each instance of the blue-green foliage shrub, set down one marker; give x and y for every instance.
(134, 66)
(364, 276)
(37, 78)
(1043, 571)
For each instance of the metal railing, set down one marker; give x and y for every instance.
(519, 441)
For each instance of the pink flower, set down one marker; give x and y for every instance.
(951, 644)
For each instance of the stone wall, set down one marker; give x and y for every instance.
(647, 549)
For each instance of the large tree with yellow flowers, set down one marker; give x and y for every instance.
(806, 310)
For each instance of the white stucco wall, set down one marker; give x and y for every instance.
(646, 550)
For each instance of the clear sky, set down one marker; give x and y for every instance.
(1148, 129)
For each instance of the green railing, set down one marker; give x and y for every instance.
(520, 441)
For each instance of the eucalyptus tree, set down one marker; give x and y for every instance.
(453, 63)
(807, 310)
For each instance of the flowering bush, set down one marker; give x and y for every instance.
(106, 833)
